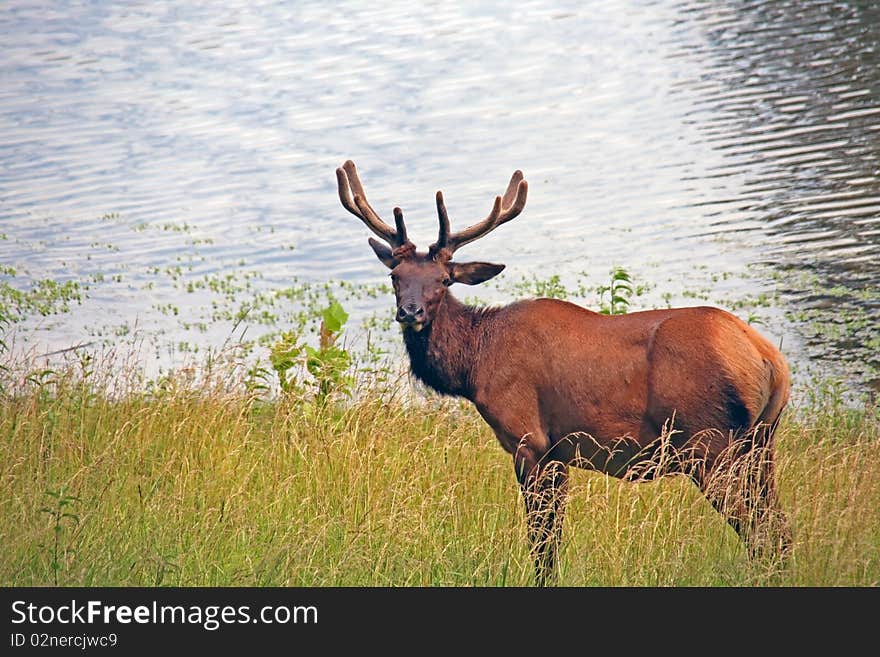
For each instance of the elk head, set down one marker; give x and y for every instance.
(421, 279)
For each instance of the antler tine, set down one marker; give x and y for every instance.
(513, 211)
(504, 209)
(401, 227)
(512, 189)
(345, 193)
(349, 183)
(443, 216)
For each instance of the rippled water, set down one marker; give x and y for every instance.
(720, 151)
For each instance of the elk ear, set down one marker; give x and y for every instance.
(472, 273)
(383, 253)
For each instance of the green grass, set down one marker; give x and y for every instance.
(197, 482)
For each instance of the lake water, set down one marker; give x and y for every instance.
(722, 152)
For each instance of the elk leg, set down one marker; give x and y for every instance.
(741, 486)
(544, 486)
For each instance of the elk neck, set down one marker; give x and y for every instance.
(444, 354)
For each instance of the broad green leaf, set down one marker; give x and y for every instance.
(334, 317)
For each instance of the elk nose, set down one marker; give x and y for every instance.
(410, 313)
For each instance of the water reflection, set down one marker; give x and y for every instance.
(789, 93)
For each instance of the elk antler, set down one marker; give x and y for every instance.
(350, 185)
(504, 209)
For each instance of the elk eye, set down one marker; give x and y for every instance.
(447, 281)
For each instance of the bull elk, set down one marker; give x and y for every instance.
(694, 391)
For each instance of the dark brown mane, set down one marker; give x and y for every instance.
(442, 356)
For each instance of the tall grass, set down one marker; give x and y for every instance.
(201, 482)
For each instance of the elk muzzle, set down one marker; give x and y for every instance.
(411, 314)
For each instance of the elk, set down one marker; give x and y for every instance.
(694, 391)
